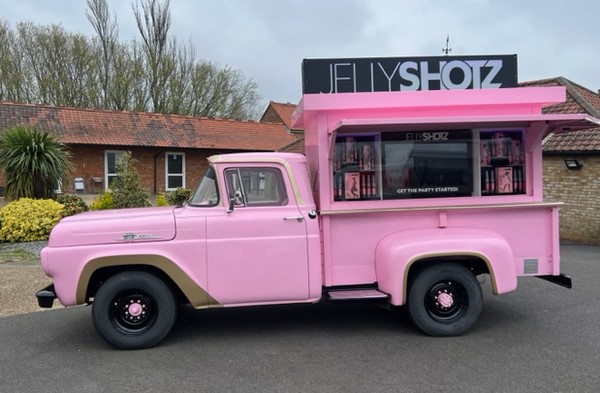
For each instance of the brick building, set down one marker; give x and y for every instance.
(170, 150)
(578, 186)
(278, 112)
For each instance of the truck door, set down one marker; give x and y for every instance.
(257, 250)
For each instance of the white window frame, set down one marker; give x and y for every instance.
(167, 174)
(118, 154)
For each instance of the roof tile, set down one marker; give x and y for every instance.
(101, 127)
(294, 147)
(279, 112)
(579, 100)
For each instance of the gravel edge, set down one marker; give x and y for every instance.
(32, 247)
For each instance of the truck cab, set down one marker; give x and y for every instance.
(262, 232)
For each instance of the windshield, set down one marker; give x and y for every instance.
(206, 194)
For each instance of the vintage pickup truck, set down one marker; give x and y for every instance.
(402, 197)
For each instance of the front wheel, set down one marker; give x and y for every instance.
(445, 300)
(134, 310)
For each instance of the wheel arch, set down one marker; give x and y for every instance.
(475, 262)
(401, 256)
(97, 270)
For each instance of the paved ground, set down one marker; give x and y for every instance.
(19, 281)
(540, 338)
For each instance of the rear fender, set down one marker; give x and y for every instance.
(400, 252)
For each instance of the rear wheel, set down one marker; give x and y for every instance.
(445, 300)
(134, 310)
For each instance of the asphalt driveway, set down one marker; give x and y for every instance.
(540, 338)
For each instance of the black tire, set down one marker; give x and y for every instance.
(445, 300)
(134, 310)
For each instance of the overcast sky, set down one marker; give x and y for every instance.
(267, 39)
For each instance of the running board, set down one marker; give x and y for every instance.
(356, 294)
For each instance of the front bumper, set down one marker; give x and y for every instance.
(46, 296)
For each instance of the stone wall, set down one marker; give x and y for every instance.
(580, 192)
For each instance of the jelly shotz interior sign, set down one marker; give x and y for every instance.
(408, 73)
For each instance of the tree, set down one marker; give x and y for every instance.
(153, 22)
(47, 64)
(60, 66)
(223, 92)
(126, 188)
(34, 163)
(10, 66)
(107, 31)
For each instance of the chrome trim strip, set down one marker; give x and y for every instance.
(436, 208)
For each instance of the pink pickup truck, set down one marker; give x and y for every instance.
(402, 197)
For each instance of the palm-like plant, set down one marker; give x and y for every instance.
(34, 163)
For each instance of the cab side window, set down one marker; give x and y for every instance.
(257, 186)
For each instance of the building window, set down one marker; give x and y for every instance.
(110, 165)
(174, 171)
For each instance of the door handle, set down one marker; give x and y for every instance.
(297, 218)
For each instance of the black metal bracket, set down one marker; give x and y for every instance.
(562, 280)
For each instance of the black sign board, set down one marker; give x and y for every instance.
(408, 73)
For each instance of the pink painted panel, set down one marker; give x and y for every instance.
(400, 251)
(115, 226)
(257, 255)
(511, 101)
(353, 237)
(260, 254)
(189, 254)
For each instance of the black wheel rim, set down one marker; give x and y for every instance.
(446, 301)
(133, 312)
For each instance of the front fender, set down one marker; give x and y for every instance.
(197, 296)
(397, 253)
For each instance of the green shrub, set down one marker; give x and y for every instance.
(126, 187)
(28, 219)
(179, 196)
(161, 200)
(73, 204)
(103, 202)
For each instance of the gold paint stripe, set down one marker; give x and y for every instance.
(197, 296)
(294, 183)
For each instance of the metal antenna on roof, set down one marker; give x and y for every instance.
(447, 49)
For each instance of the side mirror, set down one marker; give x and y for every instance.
(231, 205)
(236, 199)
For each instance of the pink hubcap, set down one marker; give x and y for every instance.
(135, 309)
(445, 300)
